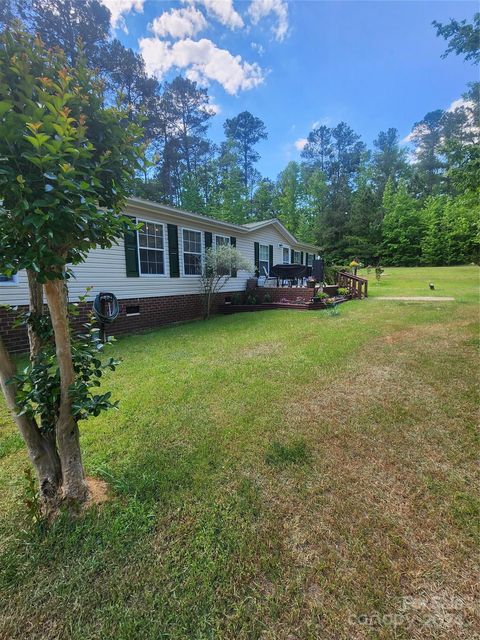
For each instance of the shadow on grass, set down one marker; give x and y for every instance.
(280, 455)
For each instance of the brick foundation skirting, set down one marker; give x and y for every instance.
(283, 293)
(152, 312)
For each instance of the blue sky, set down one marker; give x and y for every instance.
(372, 64)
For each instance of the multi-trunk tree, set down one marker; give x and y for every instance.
(66, 161)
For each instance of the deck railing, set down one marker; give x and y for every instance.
(357, 286)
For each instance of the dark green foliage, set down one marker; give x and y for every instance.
(402, 227)
(333, 198)
(279, 454)
(245, 131)
(64, 156)
(463, 38)
(38, 385)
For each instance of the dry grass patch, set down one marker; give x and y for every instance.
(364, 531)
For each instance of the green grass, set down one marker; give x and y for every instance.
(273, 475)
(458, 282)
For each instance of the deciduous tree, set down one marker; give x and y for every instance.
(66, 161)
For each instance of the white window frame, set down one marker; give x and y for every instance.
(10, 283)
(295, 252)
(152, 275)
(289, 255)
(227, 238)
(201, 254)
(260, 247)
(225, 244)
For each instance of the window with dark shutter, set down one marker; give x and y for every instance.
(256, 252)
(131, 252)
(233, 242)
(173, 260)
(208, 240)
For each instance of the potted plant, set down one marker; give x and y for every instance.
(320, 296)
(311, 283)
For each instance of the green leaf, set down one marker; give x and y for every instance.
(4, 107)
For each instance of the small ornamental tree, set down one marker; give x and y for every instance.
(65, 164)
(220, 264)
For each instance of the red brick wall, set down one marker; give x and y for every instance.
(154, 312)
(287, 293)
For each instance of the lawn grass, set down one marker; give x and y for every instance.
(273, 475)
(460, 282)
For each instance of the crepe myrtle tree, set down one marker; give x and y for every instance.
(66, 161)
(221, 262)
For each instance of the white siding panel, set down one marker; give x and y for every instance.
(104, 269)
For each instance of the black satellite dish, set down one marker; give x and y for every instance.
(105, 309)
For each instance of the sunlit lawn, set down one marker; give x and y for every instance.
(273, 475)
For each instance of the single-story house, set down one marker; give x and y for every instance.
(154, 272)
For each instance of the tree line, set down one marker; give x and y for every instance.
(391, 203)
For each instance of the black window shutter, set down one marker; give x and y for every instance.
(270, 257)
(292, 259)
(256, 250)
(208, 240)
(233, 243)
(173, 251)
(131, 252)
(301, 257)
(306, 258)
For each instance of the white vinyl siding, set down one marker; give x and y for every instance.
(105, 270)
(192, 252)
(151, 248)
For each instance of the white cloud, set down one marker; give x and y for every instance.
(326, 121)
(461, 103)
(120, 7)
(214, 106)
(261, 8)
(203, 61)
(300, 144)
(221, 10)
(258, 48)
(179, 23)
(470, 127)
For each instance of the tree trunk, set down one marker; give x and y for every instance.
(36, 310)
(67, 433)
(41, 451)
